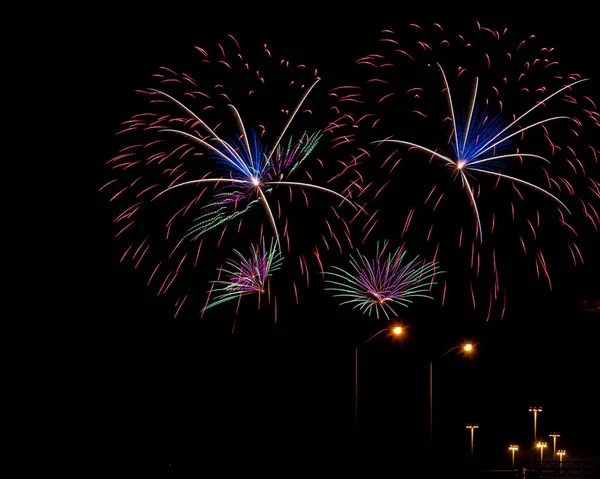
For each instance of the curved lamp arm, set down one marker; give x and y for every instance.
(376, 334)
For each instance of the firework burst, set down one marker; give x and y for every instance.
(376, 284)
(248, 168)
(246, 275)
(192, 175)
(515, 135)
(476, 143)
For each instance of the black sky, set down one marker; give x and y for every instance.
(180, 391)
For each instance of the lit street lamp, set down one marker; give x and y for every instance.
(472, 427)
(561, 453)
(542, 445)
(554, 435)
(512, 448)
(535, 411)
(396, 331)
(467, 348)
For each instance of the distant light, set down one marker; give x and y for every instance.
(513, 447)
(255, 181)
(468, 347)
(590, 305)
(397, 330)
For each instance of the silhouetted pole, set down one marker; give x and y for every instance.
(513, 448)
(356, 390)
(535, 410)
(431, 404)
(472, 427)
(561, 453)
(554, 435)
(467, 347)
(397, 330)
(542, 445)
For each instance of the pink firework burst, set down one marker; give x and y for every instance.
(232, 103)
(434, 105)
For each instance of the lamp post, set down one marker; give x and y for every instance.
(512, 448)
(554, 435)
(535, 411)
(561, 453)
(472, 427)
(467, 348)
(542, 445)
(396, 331)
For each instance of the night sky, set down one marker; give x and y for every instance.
(186, 391)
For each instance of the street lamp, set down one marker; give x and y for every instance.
(396, 331)
(512, 448)
(554, 435)
(535, 411)
(472, 427)
(467, 348)
(542, 445)
(561, 453)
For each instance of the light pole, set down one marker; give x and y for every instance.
(396, 331)
(561, 453)
(542, 445)
(535, 411)
(512, 448)
(472, 427)
(554, 435)
(467, 348)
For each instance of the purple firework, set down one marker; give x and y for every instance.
(374, 285)
(246, 275)
(237, 174)
(491, 176)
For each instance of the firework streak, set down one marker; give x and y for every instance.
(485, 144)
(244, 276)
(218, 157)
(374, 285)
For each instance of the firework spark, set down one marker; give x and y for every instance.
(375, 284)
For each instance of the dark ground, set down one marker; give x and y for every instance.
(147, 393)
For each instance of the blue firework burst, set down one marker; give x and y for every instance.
(476, 145)
(245, 164)
(474, 130)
